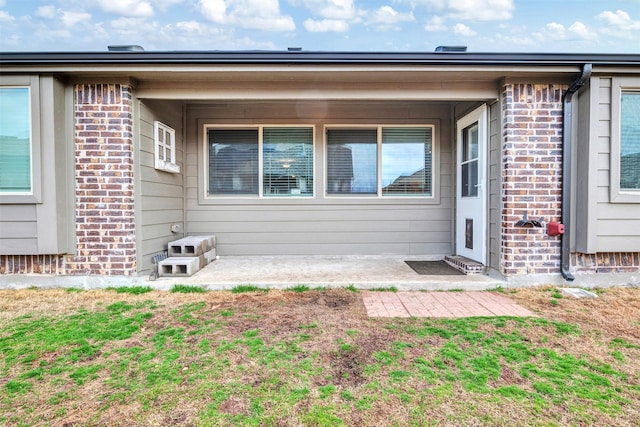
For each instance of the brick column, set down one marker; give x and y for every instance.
(105, 222)
(531, 176)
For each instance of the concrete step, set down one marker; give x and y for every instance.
(191, 246)
(466, 265)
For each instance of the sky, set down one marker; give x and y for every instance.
(568, 26)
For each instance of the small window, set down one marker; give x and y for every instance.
(15, 141)
(630, 141)
(165, 148)
(385, 161)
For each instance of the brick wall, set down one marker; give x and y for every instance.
(531, 176)
(105, 224)
(606, 262)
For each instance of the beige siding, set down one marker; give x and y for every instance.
(160, 199)
(601, 226)
(322, 226)
(495, 189)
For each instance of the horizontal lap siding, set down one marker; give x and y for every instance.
(323, 226)
(617, 224)
(18, 229)
(161, 201)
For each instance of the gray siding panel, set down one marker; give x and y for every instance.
(160, 200)
(495, 172)
(322, 226)
(616, 226)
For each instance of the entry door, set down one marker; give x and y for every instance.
(471, 197)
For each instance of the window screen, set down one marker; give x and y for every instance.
(352, 161)
(406, 161)
(233, 161)
(15, 140)
(630, 141)
(287, 161)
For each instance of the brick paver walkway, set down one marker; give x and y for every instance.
(440, 304)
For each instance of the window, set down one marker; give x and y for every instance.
(287, 159)
(630, 141)
(165, 148)
(469, 163)
(15, 141)
(625, 140)
(386, 161)
(351, 161)
(263, 161)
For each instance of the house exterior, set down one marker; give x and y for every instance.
(106, 157)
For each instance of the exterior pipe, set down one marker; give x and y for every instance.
(565, 260)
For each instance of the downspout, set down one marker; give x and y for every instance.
(565, 260)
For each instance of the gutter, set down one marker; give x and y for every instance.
(565, 261)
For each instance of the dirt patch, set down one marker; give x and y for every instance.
(616, 311)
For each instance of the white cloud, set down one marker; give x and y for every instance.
(47, 12)
(555, 31)
(620, 25)
(249, 14)
(472, 10)
(620, 19)
(436, 23)
(2, 3)
(326, 25)
(69, 19)
(386, 15)
(463, 30)
(135, 8)
(330, 9)
(5, 17)
(214, 10)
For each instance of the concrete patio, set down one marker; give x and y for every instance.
(361, 272)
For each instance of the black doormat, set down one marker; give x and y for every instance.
(434, 268)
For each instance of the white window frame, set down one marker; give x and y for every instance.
(34, 195)
(162, 147)
(620, 85)
(435, 162)
(260, 195)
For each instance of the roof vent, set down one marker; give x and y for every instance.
(455, 49)
(125, 48)
(294, 49)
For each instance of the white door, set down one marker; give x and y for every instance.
(471, 189)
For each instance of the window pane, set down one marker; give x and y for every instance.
(233, 161)
(469, 173)
(287, 161)
(15, 140)
(630, 141)
(470, 179)
(352, 161)
(406, 161)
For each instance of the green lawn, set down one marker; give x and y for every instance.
(302, 357)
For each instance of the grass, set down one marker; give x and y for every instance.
(188, 289)
(247, 288)
(133, 290)
(311, 358)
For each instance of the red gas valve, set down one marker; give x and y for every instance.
(555, 228)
